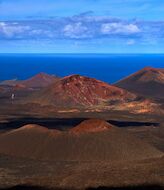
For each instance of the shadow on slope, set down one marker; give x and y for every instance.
(66, 123)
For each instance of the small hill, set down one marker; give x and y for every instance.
(37, 142)
(91, 126)
(148, 82)
(78, 90)
(33, 127)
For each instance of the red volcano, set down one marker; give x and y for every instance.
(79, 90)
(148, 82)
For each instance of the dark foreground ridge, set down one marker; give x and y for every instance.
(25, 187)
(140, 187)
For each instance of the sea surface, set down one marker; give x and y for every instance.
(106, 67)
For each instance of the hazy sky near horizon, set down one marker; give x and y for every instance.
(81, 26)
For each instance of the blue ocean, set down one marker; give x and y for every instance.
(106, 67)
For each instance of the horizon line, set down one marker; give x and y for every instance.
(82, 53)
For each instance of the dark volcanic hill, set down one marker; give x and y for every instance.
(148, 82)
(77, 90)
(111, 144)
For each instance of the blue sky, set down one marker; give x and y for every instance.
(81, 26)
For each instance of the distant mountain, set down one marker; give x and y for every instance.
(112, 144)
(23, 88)
(148, 82)
(40, 80)
(12, 82)
(76, 90)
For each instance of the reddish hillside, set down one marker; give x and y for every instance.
(79, 90)
(91, 126)
(148, 82)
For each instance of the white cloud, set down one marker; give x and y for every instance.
(82, 28)
(41, 32)
(9, 30)
(119, 28)
(76, 30)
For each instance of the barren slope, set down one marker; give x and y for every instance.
(148, 82)
(111, 144)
